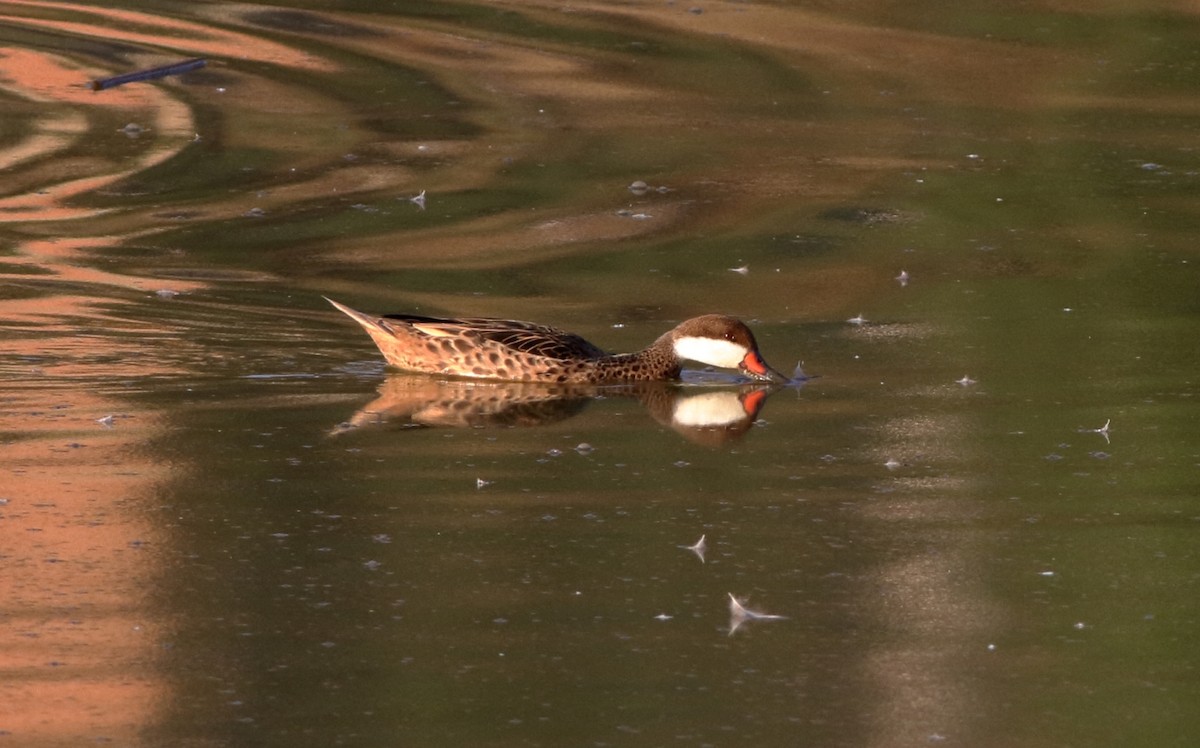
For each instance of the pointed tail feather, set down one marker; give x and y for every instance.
(366, 320)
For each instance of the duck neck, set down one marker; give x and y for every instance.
(657, 361)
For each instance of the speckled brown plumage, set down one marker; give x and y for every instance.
(522, 351)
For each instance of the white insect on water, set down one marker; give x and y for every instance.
(740, 614)
(1102, 431)
(699, 547)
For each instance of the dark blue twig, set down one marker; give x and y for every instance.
(178, 68)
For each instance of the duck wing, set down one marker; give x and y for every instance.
(525, 337)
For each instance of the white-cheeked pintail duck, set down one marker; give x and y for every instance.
(508, 350)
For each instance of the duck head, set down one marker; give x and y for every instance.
(724, 342)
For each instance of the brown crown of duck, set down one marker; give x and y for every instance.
(487, 348)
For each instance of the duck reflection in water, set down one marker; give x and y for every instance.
(705, 415)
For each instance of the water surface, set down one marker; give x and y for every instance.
(225, 523)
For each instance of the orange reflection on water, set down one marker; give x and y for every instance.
(157, 32)
(79, 639)
(42, 77)
(60, 259)
(41, 191)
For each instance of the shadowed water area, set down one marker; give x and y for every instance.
(224, 522)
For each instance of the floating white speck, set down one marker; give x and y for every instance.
(739, 614)
(481, 483)
(903, 278)
(106, 421)
(1102, 431)
(699, 547)
(418, 200)
(742, 270)
(663, 617)
(859, 320)
(891, 464)
(966, 381)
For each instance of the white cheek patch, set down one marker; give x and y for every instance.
(710, 351)
(710, 409)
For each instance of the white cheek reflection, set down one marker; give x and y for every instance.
(708, 410)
